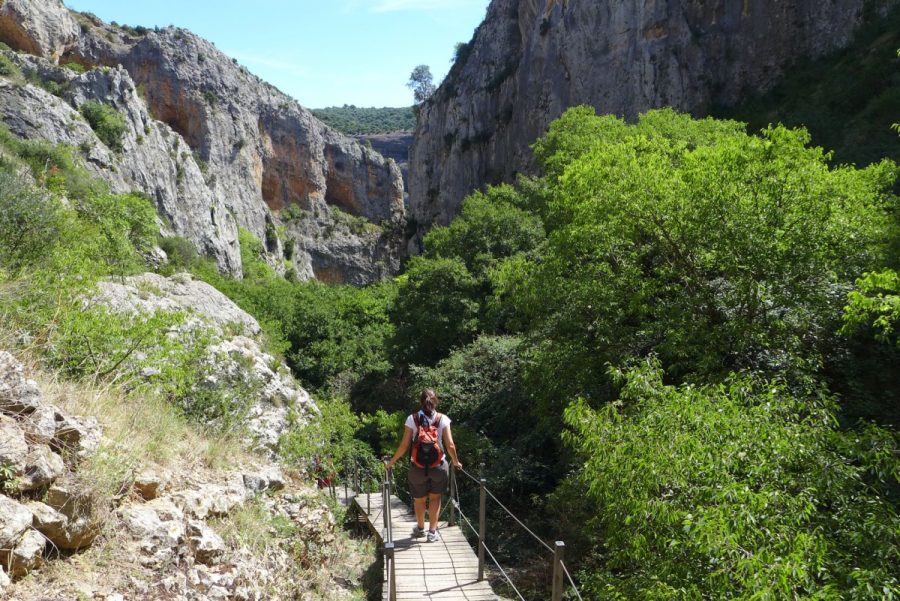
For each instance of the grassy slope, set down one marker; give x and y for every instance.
(847, 100)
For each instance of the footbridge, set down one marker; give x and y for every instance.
(448, 569)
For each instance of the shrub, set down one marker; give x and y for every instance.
(75, 67)
(109, 125)
(8, 68)
(30, 221)
(181, 252)
(736, 491)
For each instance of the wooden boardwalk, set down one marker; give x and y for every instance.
(439, 571)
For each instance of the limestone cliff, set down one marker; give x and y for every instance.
(256, 150)
(531, 59)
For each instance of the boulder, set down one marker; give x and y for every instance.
(148, 484)
(207, 546)
(267, 479)
(76, 436)
(42, 468)
(4, 580)
(40, 425)
(18, 395)
(81, 526)
(158, 529)
(14, 521)
(27, 555)
(13, 448)
(48, 521)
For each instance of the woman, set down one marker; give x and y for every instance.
(427, 483)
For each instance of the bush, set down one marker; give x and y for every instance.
(181, 252)
(109, 124)
(736, 491)
(75, 67)
(30, 221)
(436, 310)
(8, 68)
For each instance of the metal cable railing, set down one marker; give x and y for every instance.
(562, 579)
(560, 572)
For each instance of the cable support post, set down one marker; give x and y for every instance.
(482, 501)
(558, 553)
(391, 570)
(452, 520)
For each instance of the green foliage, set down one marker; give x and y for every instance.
(421, 82)
(75, 68)
(742, 490)
(253, 257)
(876, 303)
(8, 68)
(715, 249)
(29, 224)
(107, 123)
(490, 227)
(354, 120)
(181, 253)
(332, 336)
(434, 311)
(326, 444)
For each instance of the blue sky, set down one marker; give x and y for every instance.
(322, 53)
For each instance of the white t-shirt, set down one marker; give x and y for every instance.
(445, 421)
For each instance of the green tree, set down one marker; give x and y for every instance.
(741, 491)
(30, 220)
(435, 310)
(421, 82)
(691, 239)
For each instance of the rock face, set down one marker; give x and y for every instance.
(532, 59)
(41, 28)
(209, 142)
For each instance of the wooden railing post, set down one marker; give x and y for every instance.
(452, 520)
(369, 499)
(558, 552)
(387, 505)
(391, 571)
(481, 525)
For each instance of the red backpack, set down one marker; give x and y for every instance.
(426, 451)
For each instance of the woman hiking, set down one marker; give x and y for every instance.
(428, 432)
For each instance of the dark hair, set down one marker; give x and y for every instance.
(429, 401)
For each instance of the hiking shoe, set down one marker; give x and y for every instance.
(434, 537)
(418, 532)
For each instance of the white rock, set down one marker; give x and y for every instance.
(17, 394)
(42, 467)
(28, 553)
(14, 521)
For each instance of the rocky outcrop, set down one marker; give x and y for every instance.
(531, 59)
(41, 28)
(153, 159)
(251, 150)
(39, 447)
(233, 355)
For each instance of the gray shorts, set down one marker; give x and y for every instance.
(421, 485)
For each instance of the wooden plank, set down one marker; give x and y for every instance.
(440, 571)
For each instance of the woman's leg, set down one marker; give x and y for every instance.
(419, 505)
(434, 509)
